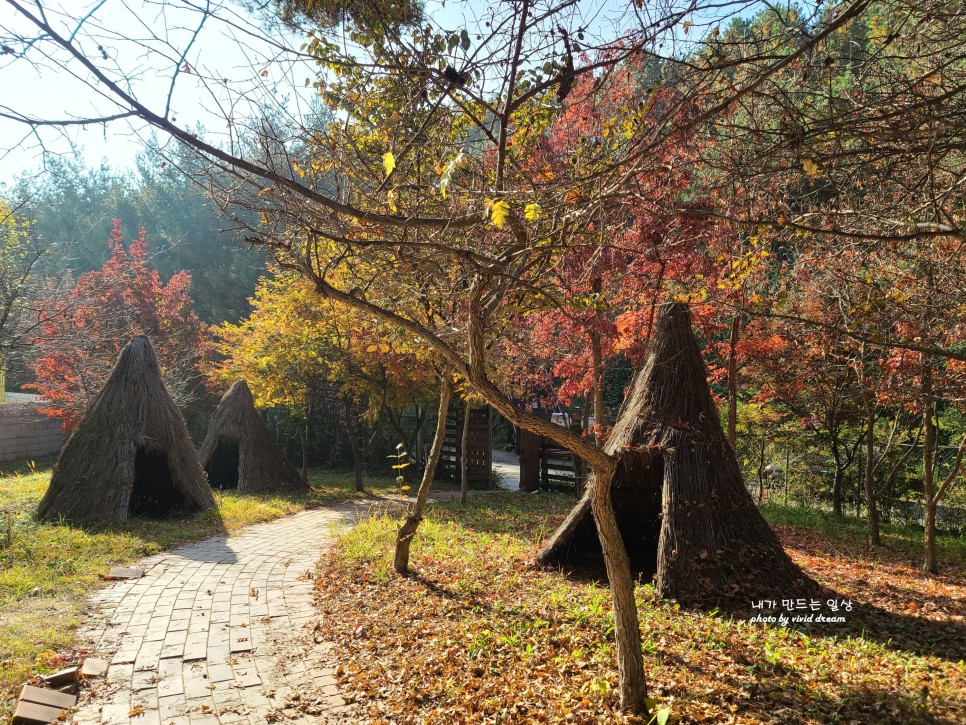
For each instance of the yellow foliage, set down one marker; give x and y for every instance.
(295, 341)
(499, 212)
(388, 162)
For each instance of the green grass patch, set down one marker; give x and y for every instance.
(477, 634)
(47, 570)
(950, 549)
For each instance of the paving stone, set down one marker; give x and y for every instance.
(171, 636)
(124, 572)
(248, 679)
(116, 714)
(144, 680)
(120, 673)
(124, 657)
(32, 713)
(220, 673)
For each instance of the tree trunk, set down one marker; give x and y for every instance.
(407, 531)
(930, 564)
(357, 472)
(733, 382)
(630, 660)
(464, 459)
(356, 445)
(597, 365)
(870, 493)
(837, 486)
(838, 482)
(305, 445)
(761, 471)
(787, 463)
(597, 371)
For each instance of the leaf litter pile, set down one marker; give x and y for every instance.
(478, 635)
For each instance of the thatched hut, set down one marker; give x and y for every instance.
(682, 506)
(131, 454)
(239, 453)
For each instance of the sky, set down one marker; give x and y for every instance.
(140, 43)
(135, 35)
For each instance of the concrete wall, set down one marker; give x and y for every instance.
(25, 433)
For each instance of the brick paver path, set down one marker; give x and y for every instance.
(218, 632)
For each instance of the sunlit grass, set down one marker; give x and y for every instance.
(47, 570)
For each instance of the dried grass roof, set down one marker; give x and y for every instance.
(94, 476)
(714, 544)
(262, 467)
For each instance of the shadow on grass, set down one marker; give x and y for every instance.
(904, 633)
(776, 692)
(773, 700)
(901, 632)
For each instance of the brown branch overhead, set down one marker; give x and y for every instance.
(141, 111)
(921, 229)
(37, 122)
(591, 453)
(851, 12)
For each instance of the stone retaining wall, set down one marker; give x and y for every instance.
(26, 433)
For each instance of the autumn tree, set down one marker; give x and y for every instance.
(423, 180)
(20, 298)
(636, 251)
(81, 333)
(301, 352)
(852, 148)
(69, 207)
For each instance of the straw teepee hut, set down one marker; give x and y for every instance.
(682, 507)
(131, 454)
(239, 453)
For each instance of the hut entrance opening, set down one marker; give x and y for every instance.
(222, 470)
(636, 494)
(154, 494)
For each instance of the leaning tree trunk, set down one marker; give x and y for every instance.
(681, 505)
(407, 531)
(627, 631)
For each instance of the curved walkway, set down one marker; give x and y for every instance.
(220, 631)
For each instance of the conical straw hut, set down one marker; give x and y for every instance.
(131, 454)
(239, 453)
(684, 512)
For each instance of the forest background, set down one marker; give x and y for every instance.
(823, 412)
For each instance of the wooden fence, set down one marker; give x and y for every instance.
(479, 444)
(546, 465)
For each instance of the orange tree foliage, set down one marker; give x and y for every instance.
(635, 250)
(84, 330)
